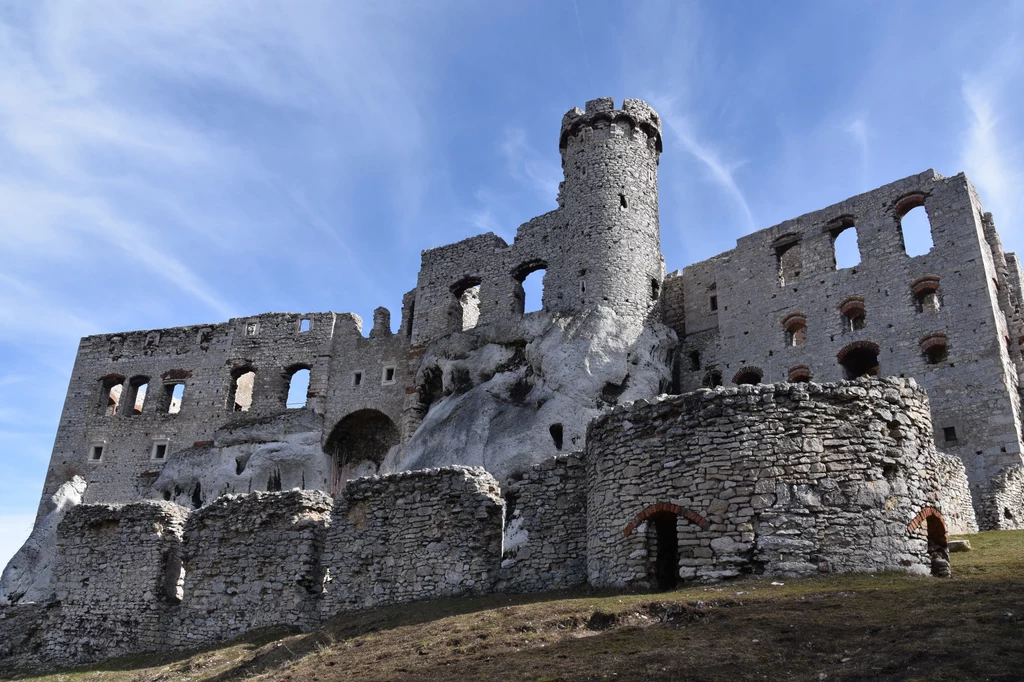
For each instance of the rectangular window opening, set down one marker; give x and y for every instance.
(357, 378)
(97, 453)
(175, 393)
(949, 434)
(714, 303)
(388, 375)
(304, 325)
(159, 450)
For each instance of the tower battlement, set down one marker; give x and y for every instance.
(600, 112)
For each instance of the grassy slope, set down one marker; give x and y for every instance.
(870, 627)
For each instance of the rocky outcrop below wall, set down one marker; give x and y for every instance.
(117, 571)
(783, 479)
(411, 536)
(253, 561)
(1002, 506)
(27, 577)
(545, 544)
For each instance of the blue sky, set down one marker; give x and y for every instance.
(177, 163)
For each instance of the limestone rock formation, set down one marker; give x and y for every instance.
(27, 576)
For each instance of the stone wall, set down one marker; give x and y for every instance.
(253, 561)
(955, 501)
(118, 571)
(737, 306)
(787, 479)
(1002, 507)
(22, 628)
(545, 545)
(410, 536)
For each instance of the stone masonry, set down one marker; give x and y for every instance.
(377, 481)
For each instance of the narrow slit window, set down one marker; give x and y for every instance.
(622, 201)
(357, 378)
(714, 303)
(160, 450)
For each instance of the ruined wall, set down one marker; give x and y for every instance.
(955, 494)
(545, 545)
(738, 303)
(116, 576)
(1002, 505)
(788, 479)
(22, 628)
(253, 561)
(411, 536)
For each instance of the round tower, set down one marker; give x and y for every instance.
(611, 256)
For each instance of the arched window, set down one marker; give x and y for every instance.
(529, 294)
(712, 379)
(795, 325)
(926, 294)
(853, 313)
(136, 399)
(933, 347)
(298, 387)
(859, 359)
(466, 305)
(243, 382)
(914, 226)
(799, 374)
(845, 242)
(110, 393)
(748, 375)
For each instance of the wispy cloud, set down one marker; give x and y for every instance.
(858, 130)
(682, 132)
(526, 165)
(988, 158)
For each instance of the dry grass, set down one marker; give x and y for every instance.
(853, 627)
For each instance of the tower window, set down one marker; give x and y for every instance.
(304, 325)
(788, 258)
(853, 313)
(159, 451)
(933, 347)
(949, 434)
(845, 242)
(714, 303)
(96, 453)
(795, 325)
(622, 201)
(915, 228)
(388, 375)
(748, 375)
(357, 378)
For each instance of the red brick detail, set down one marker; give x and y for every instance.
(176, 374)
(799, 373)
(660, 507)
(202, 443)
(925, 285)
(841, 355)
(747, 370)
(924, 514)
(851, 304)
(112, 379)
(794, 318)
(939, 339)
(909, 201)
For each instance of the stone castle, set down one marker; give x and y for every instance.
(763, 412)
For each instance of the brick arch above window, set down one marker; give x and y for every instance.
(799, 373)
(745, 375)
(941, 535)
(662, 507)
(847, 349)
(907, 202)
(925, 285)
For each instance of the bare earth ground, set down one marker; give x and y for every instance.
(851, 627)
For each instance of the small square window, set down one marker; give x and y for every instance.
(357, 378)
(252, 328)
(160, 450)
(388, 375)
(96, 454)
(304, 325)
(949, 434)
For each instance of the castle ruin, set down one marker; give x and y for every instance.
(761, 412)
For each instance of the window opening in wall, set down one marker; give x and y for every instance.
(387, 375)
(694, 360)
(788, 259)
(358, 444)
(298, 388)
(949, 434)
(663, 547)
(748, 375)
(464, 311)
(859, 359)
(175, 393)
(712, 379)
(304, 325)
(137, 397)
(845, 243)
(357, 378)
(556, 435)
(912, 219)
(622, 201)
(242, 389)
(252, 328)
(934, 348)
(853, 314)
(795, 325)
(533, 290)
(113, 395)
(655, 289)
(96, 453)
(159, 450)
(926, 294)
(714, 303)
(799, 374)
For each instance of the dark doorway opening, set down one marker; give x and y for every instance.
(664, 537)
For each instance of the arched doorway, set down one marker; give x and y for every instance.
(938, 539)
(358, 444)
(663, 548)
